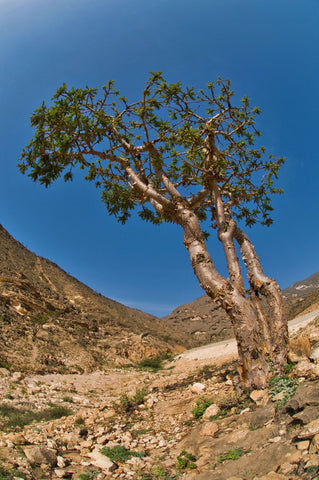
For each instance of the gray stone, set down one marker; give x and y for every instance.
(309, 430)
(307, 415)
(261, 416)
(41, 456)
(305, 368)
(306, 394)
(314, 446)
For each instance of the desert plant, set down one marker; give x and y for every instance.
(118, 453)
(19, 417)
(88, 475)
(285, 384)
(154, 363)
(128, 403)
(79, 421)
(201, 406)
(233, 454)
(186, 460)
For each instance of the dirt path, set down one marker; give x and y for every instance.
(226, 350)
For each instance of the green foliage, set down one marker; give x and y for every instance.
(67, 399)
(40, 318)
(285, 384)
(158, 473)
(233, 454)
(118, 453)
(173, 139)
(4, 363)
(11, 474)
(154, 364)
(186, 460)
(88, 475)
(5, 475)
(288, 367)
(127, 403)
(11, 417)
(79, 421)
(201, 406)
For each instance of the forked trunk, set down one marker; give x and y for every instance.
(261, 338)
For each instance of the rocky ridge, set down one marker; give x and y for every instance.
(177, 423)
(51, 322)
(205, 322)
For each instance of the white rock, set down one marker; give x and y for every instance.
(60, 461)
(211, 411)
(197, 388)
(101, 461)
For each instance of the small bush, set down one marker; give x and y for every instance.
(129, 403)
(19, 417)
(88, 475)
(288, 367)
(186, 460)
(154, 364)
(120, 453)
(234, 454)
(5, 475)
(79, 421)
(68, 399)
(201, 406)
(282, 383)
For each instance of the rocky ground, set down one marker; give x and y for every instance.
(171, 424)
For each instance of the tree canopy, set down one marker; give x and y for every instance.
(155, 149)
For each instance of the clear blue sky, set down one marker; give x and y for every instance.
(269, 50)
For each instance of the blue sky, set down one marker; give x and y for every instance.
(269, 50)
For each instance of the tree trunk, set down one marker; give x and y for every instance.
(265, 291)
(257, 350)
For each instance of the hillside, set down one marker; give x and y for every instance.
(49, 321)
(205, 322)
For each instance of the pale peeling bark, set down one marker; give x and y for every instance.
(252, 349)
(274, 323)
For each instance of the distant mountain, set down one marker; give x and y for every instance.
(303, 288)
(51, 322)
(205, 322)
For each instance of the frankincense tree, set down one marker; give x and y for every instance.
(177, 155)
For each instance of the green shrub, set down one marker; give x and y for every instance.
(201, 406)
(186, 460)
(154, 364)
(88, 475)
(120, 453)
(5, 475)
(19, 417)
(288, 367)
(282, 383)
(130, 403)
(234, 454)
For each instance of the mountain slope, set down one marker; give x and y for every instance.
(205, 322)
(49, 321)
